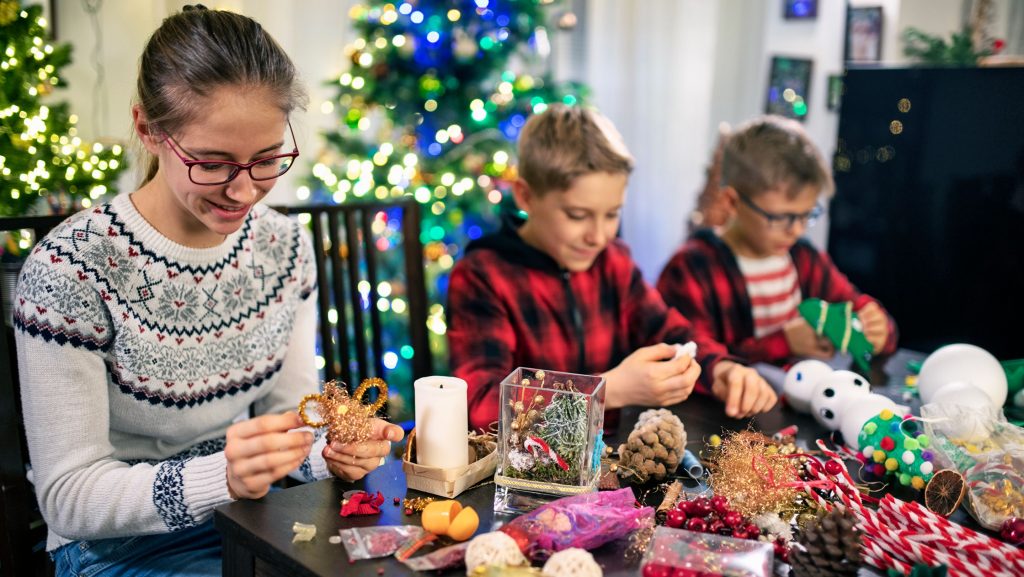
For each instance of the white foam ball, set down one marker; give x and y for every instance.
(800, 381)
(858, 411)
(962, 363)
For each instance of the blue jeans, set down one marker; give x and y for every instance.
(194, 552)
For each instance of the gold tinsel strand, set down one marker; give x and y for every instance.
(753, 480)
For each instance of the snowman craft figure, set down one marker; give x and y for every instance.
(870, 424)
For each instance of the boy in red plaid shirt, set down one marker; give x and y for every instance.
(742, 288)
(560, 292)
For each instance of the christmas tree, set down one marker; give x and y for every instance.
(41, 157)
(431, 107)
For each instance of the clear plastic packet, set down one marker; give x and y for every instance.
(584, 521)
(988, 451)
(443, 558)
(372, 542)
(706, 554)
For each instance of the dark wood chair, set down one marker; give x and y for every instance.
(22, 530)
(347, 254)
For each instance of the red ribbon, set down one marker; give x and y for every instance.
(362, 503)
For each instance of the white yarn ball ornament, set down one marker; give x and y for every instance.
(494, 548)
(572, 562)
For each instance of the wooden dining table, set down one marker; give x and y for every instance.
(257, 534)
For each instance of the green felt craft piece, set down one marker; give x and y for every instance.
(840, 325)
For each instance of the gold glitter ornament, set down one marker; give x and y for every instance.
(347, 419)
(753, 481)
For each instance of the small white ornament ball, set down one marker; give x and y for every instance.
(833, 394)
(573, 562)
(494, 548)
(800, 381)
(860, 411)
(965, 364)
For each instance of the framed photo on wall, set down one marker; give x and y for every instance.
(789, 84)
(835, 91)
(800, 9)
(864, 34)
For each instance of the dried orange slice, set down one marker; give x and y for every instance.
(944, 492)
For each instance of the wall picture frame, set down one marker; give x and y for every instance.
(863, 34)
(800, 9)
(835, 92)
(789, 85)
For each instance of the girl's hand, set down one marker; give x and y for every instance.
(353, 461)
(261, 450)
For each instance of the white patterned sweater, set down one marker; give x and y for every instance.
(136, 354)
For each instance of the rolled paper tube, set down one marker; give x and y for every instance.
(442, 422)
(671, 496)
(692, 466)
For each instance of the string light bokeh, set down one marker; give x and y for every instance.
(431, 107)
(41, 154)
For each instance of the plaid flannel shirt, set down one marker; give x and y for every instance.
(510, 305)
(704, 282)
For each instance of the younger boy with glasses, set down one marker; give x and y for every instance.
(743, 287)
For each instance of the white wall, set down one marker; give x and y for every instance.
(649, 70)
(667, 72)
(314, 33)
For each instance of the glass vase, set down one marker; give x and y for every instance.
(549, 438)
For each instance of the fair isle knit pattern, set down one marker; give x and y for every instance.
(156, 348)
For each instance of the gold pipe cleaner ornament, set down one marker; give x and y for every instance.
(347, 418)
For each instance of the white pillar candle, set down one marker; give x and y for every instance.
(442, 422)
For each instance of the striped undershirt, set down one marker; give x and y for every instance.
(774, 291)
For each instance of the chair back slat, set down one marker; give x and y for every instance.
(22, 531)
(346, 256)
(337, 287)
(370, 254)
(417, 290)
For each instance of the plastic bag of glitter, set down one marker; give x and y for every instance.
(706, 554)
(443, 558)
(584, 521)
(372, 542)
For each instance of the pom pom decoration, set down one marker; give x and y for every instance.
(572, 562)
(889, 448)
(347, 419)
(655, 446)
(494, 548)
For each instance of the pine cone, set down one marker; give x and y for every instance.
(655, 446)
(828, 546)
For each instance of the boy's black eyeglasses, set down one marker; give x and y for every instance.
(213, 172)
(784, 220)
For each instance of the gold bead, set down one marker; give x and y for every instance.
(519, 406)
(515, 426)
(538, 399)
(539, 375)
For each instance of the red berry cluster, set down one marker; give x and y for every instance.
(1012, 531)
(713, 515)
